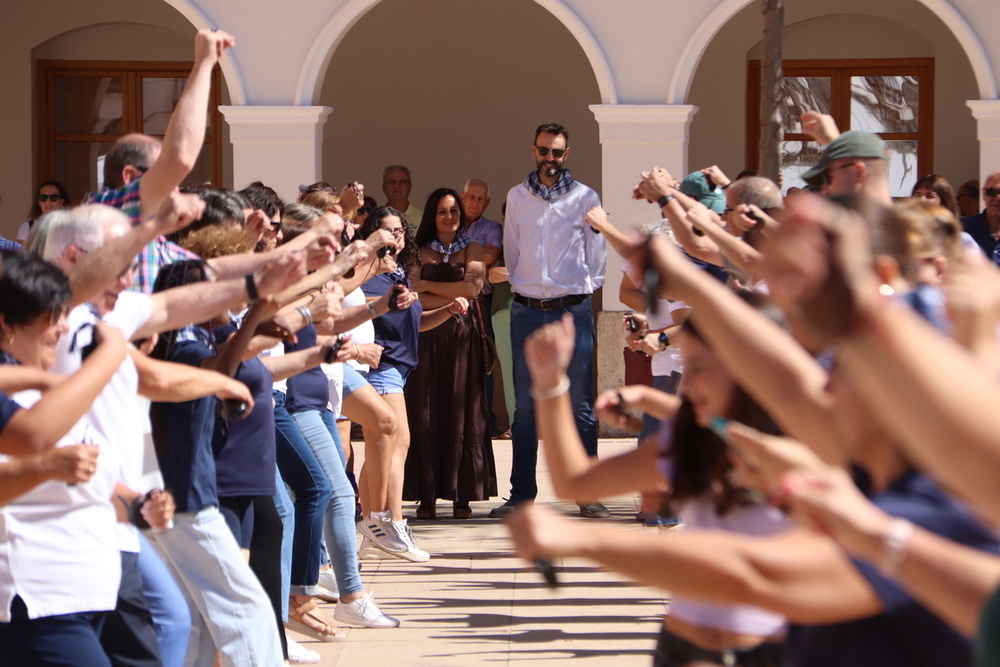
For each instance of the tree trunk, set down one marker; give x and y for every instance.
(771, 131)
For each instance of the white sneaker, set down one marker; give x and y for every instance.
(413, 553)
(328, 590)
(365, 613)
(377, 528)
(367, 551)
(299, 654)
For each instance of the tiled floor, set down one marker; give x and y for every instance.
(475, 603)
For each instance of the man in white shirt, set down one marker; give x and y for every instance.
(556, 261)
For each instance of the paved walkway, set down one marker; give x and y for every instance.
(475, 603)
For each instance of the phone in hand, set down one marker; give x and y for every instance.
(331, 353)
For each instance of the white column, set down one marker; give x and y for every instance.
(987, 115)
(279, 145)
(635, 138)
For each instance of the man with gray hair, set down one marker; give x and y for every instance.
(397, 184)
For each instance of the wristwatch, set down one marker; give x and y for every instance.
(664, 340)
(664, 200)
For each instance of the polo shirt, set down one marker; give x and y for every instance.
(182, 436)
(244, 449)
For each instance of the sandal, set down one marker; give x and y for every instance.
(305, 620)
(461, 511)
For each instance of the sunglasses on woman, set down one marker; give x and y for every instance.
(53, 198)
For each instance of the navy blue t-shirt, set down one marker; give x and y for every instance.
(244, 449)
(396, 331)
(7, 409)
(182, 436)
(906, 634)
(309, 390)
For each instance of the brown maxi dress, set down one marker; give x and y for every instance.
(451, 455)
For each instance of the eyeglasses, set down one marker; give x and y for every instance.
(556, 152)
(396, 231)
(365, 210)
(41, 197)
(826, 172)
(275, 225)
(991, 192)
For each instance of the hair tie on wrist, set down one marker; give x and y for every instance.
(561, 388)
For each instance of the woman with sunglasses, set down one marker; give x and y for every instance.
(51, 195)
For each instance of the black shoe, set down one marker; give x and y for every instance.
(594, 511)
(504, 510)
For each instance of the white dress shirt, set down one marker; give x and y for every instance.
(549, 250)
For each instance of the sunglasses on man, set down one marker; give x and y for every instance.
(556, 152)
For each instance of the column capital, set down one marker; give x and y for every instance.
(643, 123)
(275, 123)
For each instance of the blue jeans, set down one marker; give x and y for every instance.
(171, 616)
(229, 609)
(311, 488)
(320, 431)
(286, 512)
(523, 322)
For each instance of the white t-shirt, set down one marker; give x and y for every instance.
(113, 414)
(277, 351)
(58, 548)
(362, 334)
(22, 232)
(669, 360)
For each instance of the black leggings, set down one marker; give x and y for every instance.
(672, 651)
(255, 523)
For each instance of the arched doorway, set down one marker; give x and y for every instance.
(816, 31)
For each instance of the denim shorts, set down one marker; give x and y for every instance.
(388, 380)
(353, 380)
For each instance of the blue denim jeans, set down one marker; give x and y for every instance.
(171, 616)
(311, 488)
(524, 321)
(229, 609)
(286, 512)
(320, 431)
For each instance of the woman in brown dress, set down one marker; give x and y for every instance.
(451, 456)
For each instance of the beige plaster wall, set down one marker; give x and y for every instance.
(718, 130)
(454, 90)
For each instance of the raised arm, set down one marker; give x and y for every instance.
(185, 132)
(763, 358)
(574, 474)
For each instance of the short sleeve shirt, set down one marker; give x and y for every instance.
(906, 633)
(244, 449)
(398, 331)
(182, 435)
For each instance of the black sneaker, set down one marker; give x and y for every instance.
(594, 511)
(504, 510)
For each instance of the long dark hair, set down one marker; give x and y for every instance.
(941, 186)
(427, 231)
(175, 274)
(701, 463)
(409, 256)
(36, 208)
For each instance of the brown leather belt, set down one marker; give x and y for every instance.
(550, 304)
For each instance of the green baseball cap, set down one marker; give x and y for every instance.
(696, 186)
(848, 145)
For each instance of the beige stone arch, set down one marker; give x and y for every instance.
(687, 66)
(313, 73)
(231, 75)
